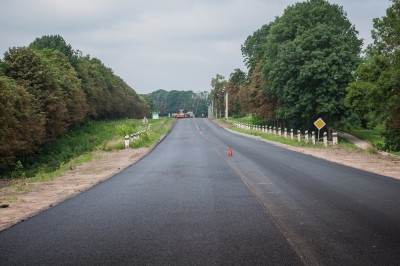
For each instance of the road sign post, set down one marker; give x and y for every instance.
(319, 124)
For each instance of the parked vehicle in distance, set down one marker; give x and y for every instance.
(180, 115)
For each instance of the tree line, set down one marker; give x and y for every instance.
(168, 102)
(47, 88)
(308, 63)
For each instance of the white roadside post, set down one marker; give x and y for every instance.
(325, 139)
(313, 137)
(298, 135)
(291, 134)
(126, 141)
(306, 136)
(334, 138)
(285, 133)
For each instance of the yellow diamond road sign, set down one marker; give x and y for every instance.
(319, 123)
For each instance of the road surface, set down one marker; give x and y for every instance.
(188, 203)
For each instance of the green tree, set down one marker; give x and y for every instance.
(311, 52)
(255, 47)
(167, 102)
(201, 103)
(107, 95)
(178, 100)
(2, 68)
(31, 71)
(55, 42)
(92, 86)
(47, 88)
(375, 93)
(159, 98)
(218, 93)
(236, 82)
(67, 80)
(263, 104)
(21, 123)
(253, 97)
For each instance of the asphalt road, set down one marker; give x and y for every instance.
(188, 203)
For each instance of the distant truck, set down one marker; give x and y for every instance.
(180, 115)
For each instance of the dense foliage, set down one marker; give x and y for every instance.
(311, 52)
(47, 88)
(375, 95)
(299, 66)
(168, 102)
(307, 64)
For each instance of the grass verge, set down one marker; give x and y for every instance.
(373, 136)
(280, 139)
(76, 147)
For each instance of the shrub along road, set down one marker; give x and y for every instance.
(187, 202)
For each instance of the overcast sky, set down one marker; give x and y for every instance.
(159, 44)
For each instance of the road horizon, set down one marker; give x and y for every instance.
(189, 203)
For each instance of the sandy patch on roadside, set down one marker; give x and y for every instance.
(375, 163)
(37, 197)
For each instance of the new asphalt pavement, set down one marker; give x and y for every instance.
(189, 203)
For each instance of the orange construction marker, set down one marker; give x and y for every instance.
(230, 153)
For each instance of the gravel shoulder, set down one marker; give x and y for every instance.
(37, 197)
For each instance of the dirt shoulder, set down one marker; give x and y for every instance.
(36, 197)
(382, 164)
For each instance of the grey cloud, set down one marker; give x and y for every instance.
(159, 44)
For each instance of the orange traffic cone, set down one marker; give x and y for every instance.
(230, 154)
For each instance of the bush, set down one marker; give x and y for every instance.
(126, 129)
(392, 140)
(258, 120)
(18, 170)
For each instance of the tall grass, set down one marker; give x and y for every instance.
(159, 128)
(75, 146)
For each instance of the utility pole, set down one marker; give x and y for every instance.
(226, 106)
